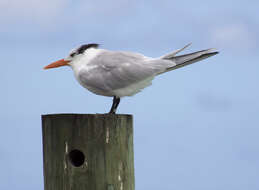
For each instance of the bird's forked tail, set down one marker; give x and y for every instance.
(186, 59)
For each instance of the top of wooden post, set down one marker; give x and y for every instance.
(81, 114)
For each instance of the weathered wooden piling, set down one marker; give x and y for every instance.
(88, 152)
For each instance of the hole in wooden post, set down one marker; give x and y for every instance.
(76, 157)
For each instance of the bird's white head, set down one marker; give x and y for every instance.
(74, 55)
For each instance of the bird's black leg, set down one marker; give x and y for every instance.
(115, 104)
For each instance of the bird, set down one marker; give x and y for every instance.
(121, 73)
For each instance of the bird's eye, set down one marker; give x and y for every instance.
(72, 54)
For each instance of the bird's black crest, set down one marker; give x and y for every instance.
(84, 47)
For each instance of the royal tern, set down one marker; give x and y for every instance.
(119, 73)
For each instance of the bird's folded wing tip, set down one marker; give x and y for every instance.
(213, 50)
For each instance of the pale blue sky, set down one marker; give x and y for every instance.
(194, 128)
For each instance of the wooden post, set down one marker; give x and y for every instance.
(88, 152)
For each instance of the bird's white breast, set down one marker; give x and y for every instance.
(81, 63)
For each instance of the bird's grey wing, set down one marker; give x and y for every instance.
(115, 70)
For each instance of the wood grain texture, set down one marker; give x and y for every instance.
(106, 142)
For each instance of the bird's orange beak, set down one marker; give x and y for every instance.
(58, 63)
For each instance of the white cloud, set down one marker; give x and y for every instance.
(47, 10)
(52, 15)
(100, 7)
(30, 10)
(237, 36)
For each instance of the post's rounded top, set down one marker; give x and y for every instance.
(63, 115)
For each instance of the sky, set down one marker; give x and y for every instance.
(195, 128)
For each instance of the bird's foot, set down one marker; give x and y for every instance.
(113, 113)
